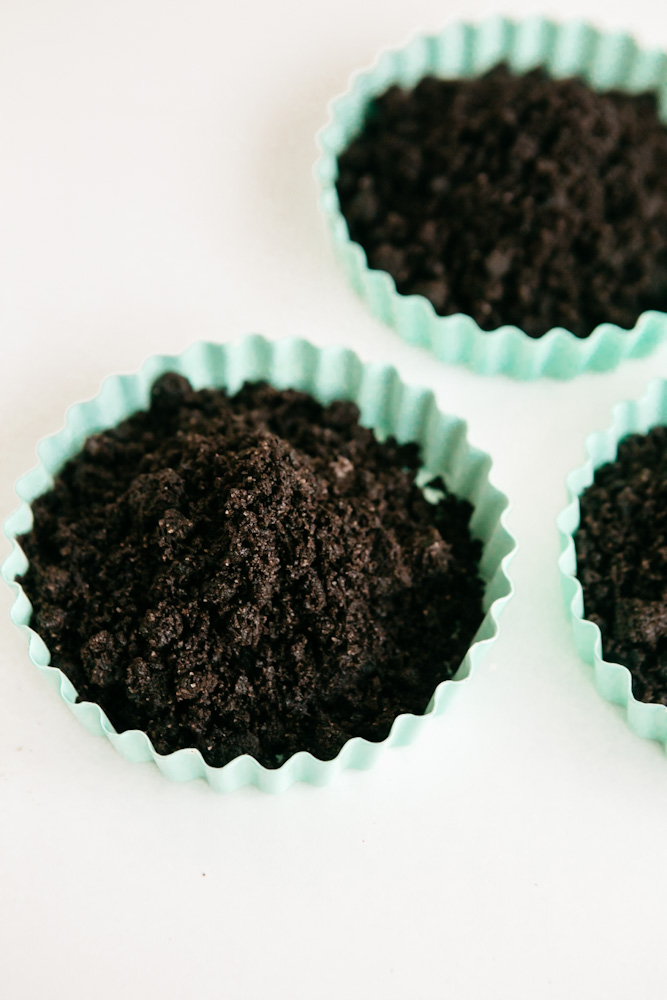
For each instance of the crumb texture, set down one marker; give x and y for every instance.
(514, 199)
(622, 560)
(255, 574)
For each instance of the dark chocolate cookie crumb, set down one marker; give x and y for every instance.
(622, 560)
(255, 574)
(514, 199)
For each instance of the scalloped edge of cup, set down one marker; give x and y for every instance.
(612, 680)
(575, 48)
(386, 404)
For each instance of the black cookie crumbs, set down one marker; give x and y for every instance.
(622, 560)
(514, 199)
(255, 574)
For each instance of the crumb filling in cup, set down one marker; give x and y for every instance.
(388, 407)
(614, 680)
(465, 52)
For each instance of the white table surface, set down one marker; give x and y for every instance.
(155, 188)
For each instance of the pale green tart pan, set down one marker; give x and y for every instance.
(387, 405)
(613, 680)
(604, 61)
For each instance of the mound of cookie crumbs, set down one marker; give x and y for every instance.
(516, 199)
(251, 574)
(621, 550)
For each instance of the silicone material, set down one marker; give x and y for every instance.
(387, 405)
(464, 50)
(613, 680)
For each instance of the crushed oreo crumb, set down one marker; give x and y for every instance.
(516, 199)
(621, 550)
(251, 574)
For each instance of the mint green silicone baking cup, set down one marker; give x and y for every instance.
(604, 61)
(613, 680)
(387, 405)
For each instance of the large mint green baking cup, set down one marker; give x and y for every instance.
(613, 680)
(387, 405)
(604, 61)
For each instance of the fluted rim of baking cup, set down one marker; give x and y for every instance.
(387, 405)
(612, 680)
(576, 48)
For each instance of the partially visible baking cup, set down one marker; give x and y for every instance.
(613, 680)
(389, 407)
(604, 61)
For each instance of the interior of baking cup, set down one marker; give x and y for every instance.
(613, 680)
(603, 61)
(387, 405)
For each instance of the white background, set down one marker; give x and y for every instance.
(155, 188)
